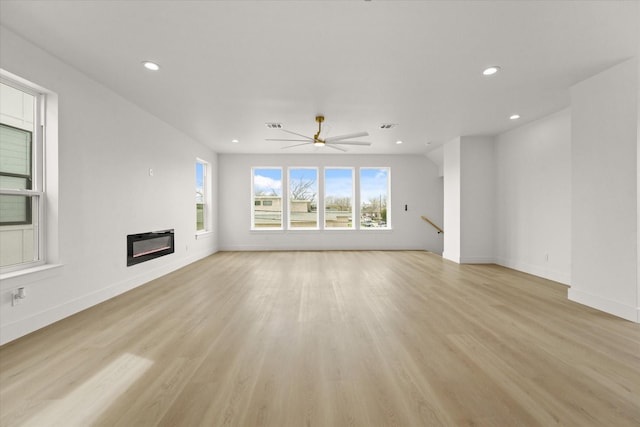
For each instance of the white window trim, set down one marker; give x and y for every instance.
(317, 170)
(285, 185)
(354, 223)
(206, 197)
(388, 226)
(321, 171)
(37, 167)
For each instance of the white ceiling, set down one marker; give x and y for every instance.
(230, 66)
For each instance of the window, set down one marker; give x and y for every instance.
(16, 174)
(303, 200)
(21, 183)
(338, 198)
(202, 196)
(266, 184)
(374, 198)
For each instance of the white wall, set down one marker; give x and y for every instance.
(414, 182)
(476, 199)
(533, 198)
(604, 180)
(468, 199)
(452, 182)
(106, 146)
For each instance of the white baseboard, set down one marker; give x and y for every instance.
(24, 326)
(536, 270)
(477, 260)
(315, 247)
(627, 312)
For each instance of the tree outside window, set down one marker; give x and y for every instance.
(303, 201)
(374, 198)
(338, 198)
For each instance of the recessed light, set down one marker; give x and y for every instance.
(489, 71)
(398, 142)
(235, 141)
(514, 117)
(151, 66)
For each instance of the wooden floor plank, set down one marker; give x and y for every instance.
(336, 338)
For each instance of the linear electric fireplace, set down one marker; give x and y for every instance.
(145, 246)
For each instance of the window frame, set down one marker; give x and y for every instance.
(387, 200)
(353, 198)
(36, 193)
(289, 199)
(28, 178)
(206, 197)
(283, 207)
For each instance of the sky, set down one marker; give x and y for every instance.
(338, 182)
(267, 180)
(373, 183)
(199, 183)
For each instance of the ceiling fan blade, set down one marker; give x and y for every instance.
(349, 136)
(298, 134)
(287, 140)
(350, 143)
(335, 147)
(295, 145)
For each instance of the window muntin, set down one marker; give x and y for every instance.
(374, 198)
(338, 198)
(266, 186)
(303, 198)
(21, 195)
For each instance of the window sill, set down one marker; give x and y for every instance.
(29, 275)
(203, 235)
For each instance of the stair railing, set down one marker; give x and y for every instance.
(440, 230)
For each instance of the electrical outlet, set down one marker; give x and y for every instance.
(18, 295)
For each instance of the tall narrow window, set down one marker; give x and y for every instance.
(374, 198)
(338, 198)
(202, 196)
(266, 198)
(21, 195)
(303, 198)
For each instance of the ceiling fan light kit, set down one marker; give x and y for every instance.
(332, 142)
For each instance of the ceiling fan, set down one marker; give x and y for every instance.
(331, 142)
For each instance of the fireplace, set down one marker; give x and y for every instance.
(146, 246)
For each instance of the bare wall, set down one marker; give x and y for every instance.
(106, 146)
(414, 182)
(533, 198)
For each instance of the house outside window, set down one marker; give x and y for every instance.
(303, 198)
(374, 198)
(338, 198)
(266, 196)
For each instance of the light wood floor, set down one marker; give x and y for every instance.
(329, 339)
